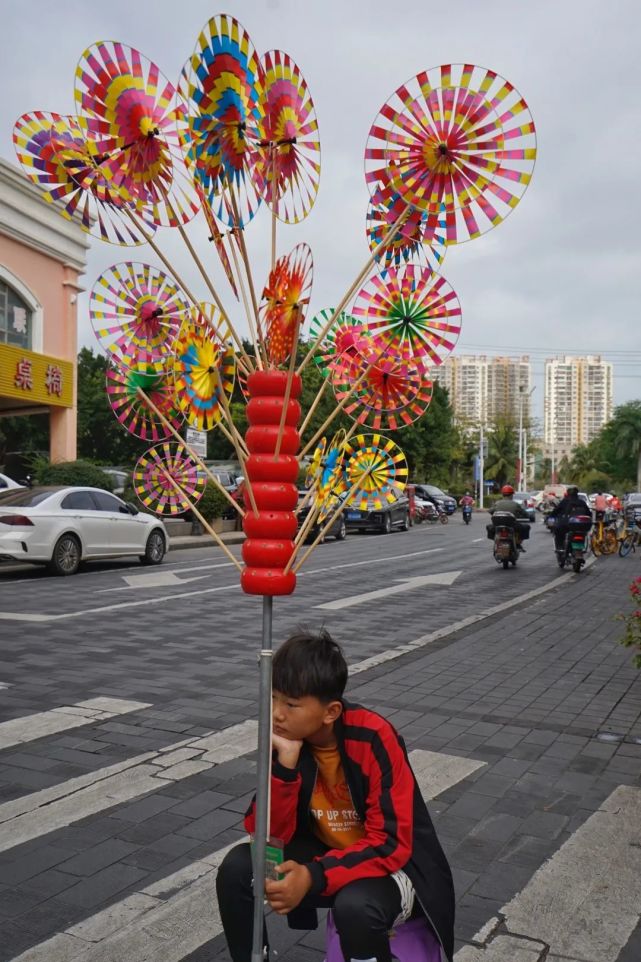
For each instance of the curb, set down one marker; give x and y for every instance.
(204, 541)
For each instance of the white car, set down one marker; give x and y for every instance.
(62, 526)
(7, 483)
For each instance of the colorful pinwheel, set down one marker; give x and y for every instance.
(125, 103)
(330, 481)
(315, 467)
(286, 297)
(388, 397)
(375, 471)
(222, 91)
(203, 366)
(346, 337)
(417, 238)
(217, 238)
(56, 154)
(412, 313)
(131, 409)
(136, 312)
(167, 480)
(459, 136)
(287, 159)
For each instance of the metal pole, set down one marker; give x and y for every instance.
(524, 472)
(481, 467)
(263, 776)
(520, 470)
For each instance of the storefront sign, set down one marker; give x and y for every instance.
(37, 378)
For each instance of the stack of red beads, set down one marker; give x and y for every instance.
(270, 532)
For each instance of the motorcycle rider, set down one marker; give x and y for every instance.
(466, 499)
(508, 504)
(570, 506)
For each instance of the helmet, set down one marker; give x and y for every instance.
(572, 491)
(507, 489)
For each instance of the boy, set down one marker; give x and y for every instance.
(344, 800)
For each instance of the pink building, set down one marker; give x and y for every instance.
(42, 256)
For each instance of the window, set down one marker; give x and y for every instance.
(25, 499)
(107, 502)
(16, 325)
(78, 501)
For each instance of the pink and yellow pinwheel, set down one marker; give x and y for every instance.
(167, 480)
(413, 315)
(388, 396)
(129, 391)
(417, 238)
(287, 161)
(459, 137)
(136, 311)
(126, 104)
(346, 338)
(375, 471)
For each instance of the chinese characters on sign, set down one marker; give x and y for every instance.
(53, 380)
(24, 376)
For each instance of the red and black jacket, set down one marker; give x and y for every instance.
(399, 833)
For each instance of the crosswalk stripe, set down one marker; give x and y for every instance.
(175, 916)
(16, 731)
(60, 805)
(581, 904)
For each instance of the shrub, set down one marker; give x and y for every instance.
(213, 503)
(82, 473)
(632, 636)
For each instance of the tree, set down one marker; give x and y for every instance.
(100, 436)
(623, 435)
(500, 464)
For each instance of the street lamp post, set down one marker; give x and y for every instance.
(481, 465)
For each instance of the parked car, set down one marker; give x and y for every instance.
(337, 530)
(445, 501)
(632, 508)
(526, 500)
(62, 526)
(7, 483)
(119, 478)
(393, 515)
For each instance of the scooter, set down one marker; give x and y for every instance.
(506, 547)
(576, 543)
(467, 513)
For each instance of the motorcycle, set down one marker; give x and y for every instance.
(467, 513)
(576, 543)
(506, 545)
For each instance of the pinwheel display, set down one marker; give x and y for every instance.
(417, 238)
(217, 238)
(375, 471)
(459, 136)
(56, 154)
(222, 92)
(167, 480)
(204, 368)
(124, 387)
(136, 312)
(412, 313)
(388, 397)
(285, 301)
(126, 104)
(286, 165)
(331, 480)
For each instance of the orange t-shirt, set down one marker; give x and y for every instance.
(336, 823)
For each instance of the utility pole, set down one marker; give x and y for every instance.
(481, 466)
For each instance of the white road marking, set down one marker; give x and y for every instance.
(408, 584)
(29, 727)
(168, 920)
(60, 805)
(19, 616)
(584, 902)
(157, 579)
(475, 540)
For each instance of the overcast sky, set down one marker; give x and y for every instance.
(561, 274)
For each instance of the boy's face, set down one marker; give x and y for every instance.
(301, 719)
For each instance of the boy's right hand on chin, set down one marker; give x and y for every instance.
(288, 750)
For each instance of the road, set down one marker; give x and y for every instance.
(127, 726)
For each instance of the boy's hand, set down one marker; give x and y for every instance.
(286, 894)
(288, 750)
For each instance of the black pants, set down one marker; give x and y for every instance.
(364, 911)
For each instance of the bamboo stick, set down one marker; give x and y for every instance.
(219, 424)
(313, 406)
(235, 441)
(169, 426)
(337, 410)
(274, 205)
(243, 293)
(244, 255)
(307, 524)
(203, 521)
(342, 505)
(341, 307)
(307, 497)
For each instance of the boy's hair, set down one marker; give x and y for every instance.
(310, 664)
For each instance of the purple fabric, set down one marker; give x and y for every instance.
(410, 942)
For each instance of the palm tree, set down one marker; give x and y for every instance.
(502, 452)
(625, 428)
(583, 461)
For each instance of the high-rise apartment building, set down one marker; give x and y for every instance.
(484, 389)
(578, 400)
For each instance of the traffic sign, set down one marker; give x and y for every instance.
(197, 441)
